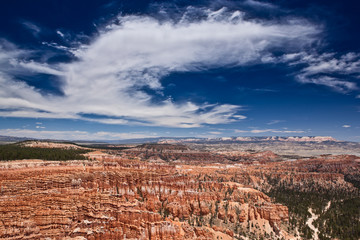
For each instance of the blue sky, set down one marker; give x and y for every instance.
(91, 70)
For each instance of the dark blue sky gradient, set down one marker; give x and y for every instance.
(267, 93)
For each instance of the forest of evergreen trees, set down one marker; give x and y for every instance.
(16, 152)
(340, 221)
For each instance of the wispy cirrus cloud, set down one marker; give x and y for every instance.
(32, 27)
(110, 74)
(215, 132)
(326, 69)
(268, 131)
(259, 4)
(58, 32)
(337, 84)
(275, 122)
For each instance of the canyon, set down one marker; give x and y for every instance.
(164, 191)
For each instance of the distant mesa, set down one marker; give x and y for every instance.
(253, 139)
(177, 140)
(303, 139)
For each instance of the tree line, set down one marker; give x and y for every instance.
(15, 152)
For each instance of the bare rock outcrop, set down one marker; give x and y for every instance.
(117, 198)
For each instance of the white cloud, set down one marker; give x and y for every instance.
(111, 71)
(71, 135)
(288, 131)
(36, 67)
(320, 69)
(60, 33)
(215, 132)
(258, 4)
(275, 122)
(33, 28)
(327, 63)
(335, 83)
(8, 55)
(346, 126)
(268, 130)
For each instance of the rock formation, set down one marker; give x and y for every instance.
(116, 198)
(136, 194)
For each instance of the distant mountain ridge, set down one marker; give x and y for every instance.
(175, 140)
(254, 139)
(13, 139)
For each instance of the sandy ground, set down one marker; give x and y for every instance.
(310, 221)
(313, 217)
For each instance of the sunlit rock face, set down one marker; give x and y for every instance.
(117, 198)
(136, 194)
